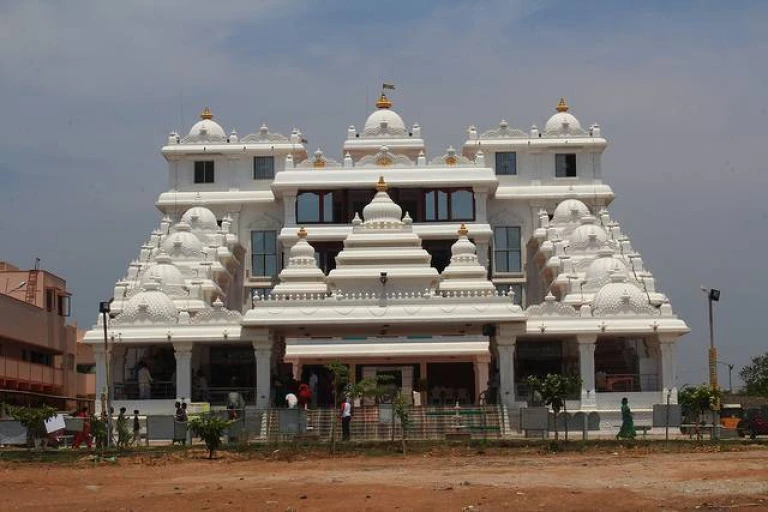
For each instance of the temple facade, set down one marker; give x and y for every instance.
(458, 273)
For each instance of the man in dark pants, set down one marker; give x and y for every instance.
(346, 418)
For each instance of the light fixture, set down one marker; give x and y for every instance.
(383, 278)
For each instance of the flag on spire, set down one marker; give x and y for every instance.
(388, 86)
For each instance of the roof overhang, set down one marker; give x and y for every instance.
(356, 177)
(175, 199)
(144, 334)
(376, 349)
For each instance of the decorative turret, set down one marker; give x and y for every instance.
(302, 275)
(465, 273)
(383, 102)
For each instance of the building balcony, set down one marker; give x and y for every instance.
(25, 376)
(33, 326)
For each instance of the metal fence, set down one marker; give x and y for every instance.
(369, 423)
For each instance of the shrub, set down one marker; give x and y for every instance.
(209, 428)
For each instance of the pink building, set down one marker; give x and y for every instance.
(40, 353)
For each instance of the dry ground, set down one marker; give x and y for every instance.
(459, 479)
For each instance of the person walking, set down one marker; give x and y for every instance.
(136, 427)
(85, 434)
(346, 418)
(627, 430)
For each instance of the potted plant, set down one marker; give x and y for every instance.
(34, 418)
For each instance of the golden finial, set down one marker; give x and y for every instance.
(562, 106)
(382, 186)
(206, 114)
(463, 231)
(383, 102)
(302, 233)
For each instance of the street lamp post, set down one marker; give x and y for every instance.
(730, 375)
(713, 295)
(104, 310)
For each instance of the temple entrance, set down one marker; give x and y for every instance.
(626, 365)
(539, 358)
(448, 383)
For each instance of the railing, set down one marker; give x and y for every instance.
(24, 373)
(159, 389)
(627, 382)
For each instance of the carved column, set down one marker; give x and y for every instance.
(668, 367)
(506, 338)
(587, 370)
(481, 376)
(262, 351)
(183, 354)
(99, 357)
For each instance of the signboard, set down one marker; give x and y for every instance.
(666, 415)
(55, 423)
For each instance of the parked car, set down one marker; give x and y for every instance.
(755, 423)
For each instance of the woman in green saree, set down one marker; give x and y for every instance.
(627, 430)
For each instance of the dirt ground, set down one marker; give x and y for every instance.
(460, 480)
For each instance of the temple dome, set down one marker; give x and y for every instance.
(200, 218)
(570, 210)
(602, 268)
(588, 233)
(150, 305)
(618, 295)
(384, 114)
(181, 243)
(207, 126)
(562, 120)
(162, 271)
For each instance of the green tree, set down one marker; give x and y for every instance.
(34, 419)
(695, 400)
(209, 428)
(755, 376)
(554, 389)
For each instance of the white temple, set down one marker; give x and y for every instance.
(459, 274)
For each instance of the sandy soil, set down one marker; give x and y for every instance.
(451, 480)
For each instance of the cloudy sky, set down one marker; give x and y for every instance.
(90, 90)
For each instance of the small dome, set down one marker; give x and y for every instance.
(619, 295)
(562, 120)
(390, 117)
(207, 126)
(302, 254)
(588, 233)
(200, 219)
(570, 210)
(463, 247)
(162, 271)
(150, 305)
(602, 268)
(382, 208)
(181, 243)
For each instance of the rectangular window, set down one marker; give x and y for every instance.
(50, 299)
(506, 249)
(263, 253)
(320, 207)
(64, 305)
(448, 205)
(506, 163)
(565, 165)
(204, 171)
(263, 167)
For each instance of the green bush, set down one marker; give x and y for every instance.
(34, 419)
(209, 428)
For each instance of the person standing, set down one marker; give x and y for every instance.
(145, 382)
(627, 430)
(313, 388)
(136, 427)
(85, 434)
(346, 418)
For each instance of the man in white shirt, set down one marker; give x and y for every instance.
(346, 418)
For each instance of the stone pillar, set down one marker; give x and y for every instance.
(118, 363)
(262, 351)
(587, 370)
(296, 368)
(668, 367)
(481, 198)
(481, 376)
(183, 354)
(99, 357)
(289, 209)
(482, 252)
(506, 339)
